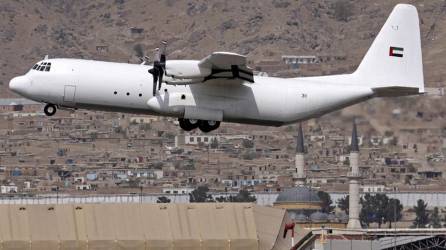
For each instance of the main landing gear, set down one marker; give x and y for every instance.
(50, 109)
(204, 126)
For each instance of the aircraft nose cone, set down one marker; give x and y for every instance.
(19, 84)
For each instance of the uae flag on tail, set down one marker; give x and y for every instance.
(396, 51)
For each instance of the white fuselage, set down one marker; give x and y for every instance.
(392, 66)
(125, 87)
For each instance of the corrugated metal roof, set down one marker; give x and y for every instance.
(388, 242)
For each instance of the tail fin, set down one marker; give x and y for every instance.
(393, 65)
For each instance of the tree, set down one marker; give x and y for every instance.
(214, 143)
(444, 220)
(422, 217)
(374, 209)
(434, 219)
(163, 199)
(250, 155)
(344, 203)
(247, 143)
(326, 206)
(393, 211)
(242, 196)
(367, 214)
(222, 199)
(381, 204)
(200, 194)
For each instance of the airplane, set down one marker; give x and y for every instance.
(222, 88)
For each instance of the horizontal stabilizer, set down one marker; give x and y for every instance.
(395, 91)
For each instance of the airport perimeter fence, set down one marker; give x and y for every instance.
(262, 199)
(407, 199)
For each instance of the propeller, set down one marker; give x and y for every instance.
(144, 60)
(159, 66)
(162, 63)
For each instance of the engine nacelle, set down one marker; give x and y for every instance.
(186, 69)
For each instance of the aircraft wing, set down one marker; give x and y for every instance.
(218, 65)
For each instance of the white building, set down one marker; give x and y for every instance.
(9, 189)
(183, 190)
(194, 139)
(83, 187)
(143, 119)
(373, 188)
(79, 179)
(296, 60)
(207, 139)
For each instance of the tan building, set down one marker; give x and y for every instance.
(145, 226)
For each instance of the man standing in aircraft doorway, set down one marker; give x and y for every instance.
(159, 66)
(156, 71)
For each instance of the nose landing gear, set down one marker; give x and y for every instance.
(50, 109)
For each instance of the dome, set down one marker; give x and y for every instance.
(332, 217)
(343, 217)
(318, 216)
(300, 194)
(300, 218)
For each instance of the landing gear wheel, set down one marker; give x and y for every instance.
(208, 126)
(187, 124)
(50, 109)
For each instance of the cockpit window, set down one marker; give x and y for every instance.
(43, 66)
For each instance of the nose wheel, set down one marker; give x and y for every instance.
(50, 109)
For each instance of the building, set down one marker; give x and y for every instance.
(146, 226)
(295, 61)
(7, 189)
(143, 119)
(82, 187)
(181, 140)
(304, 208)
(300, 199)
(184, 190)
(19, 104)
(354, 183)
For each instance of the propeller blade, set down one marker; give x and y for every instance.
(155, 75)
